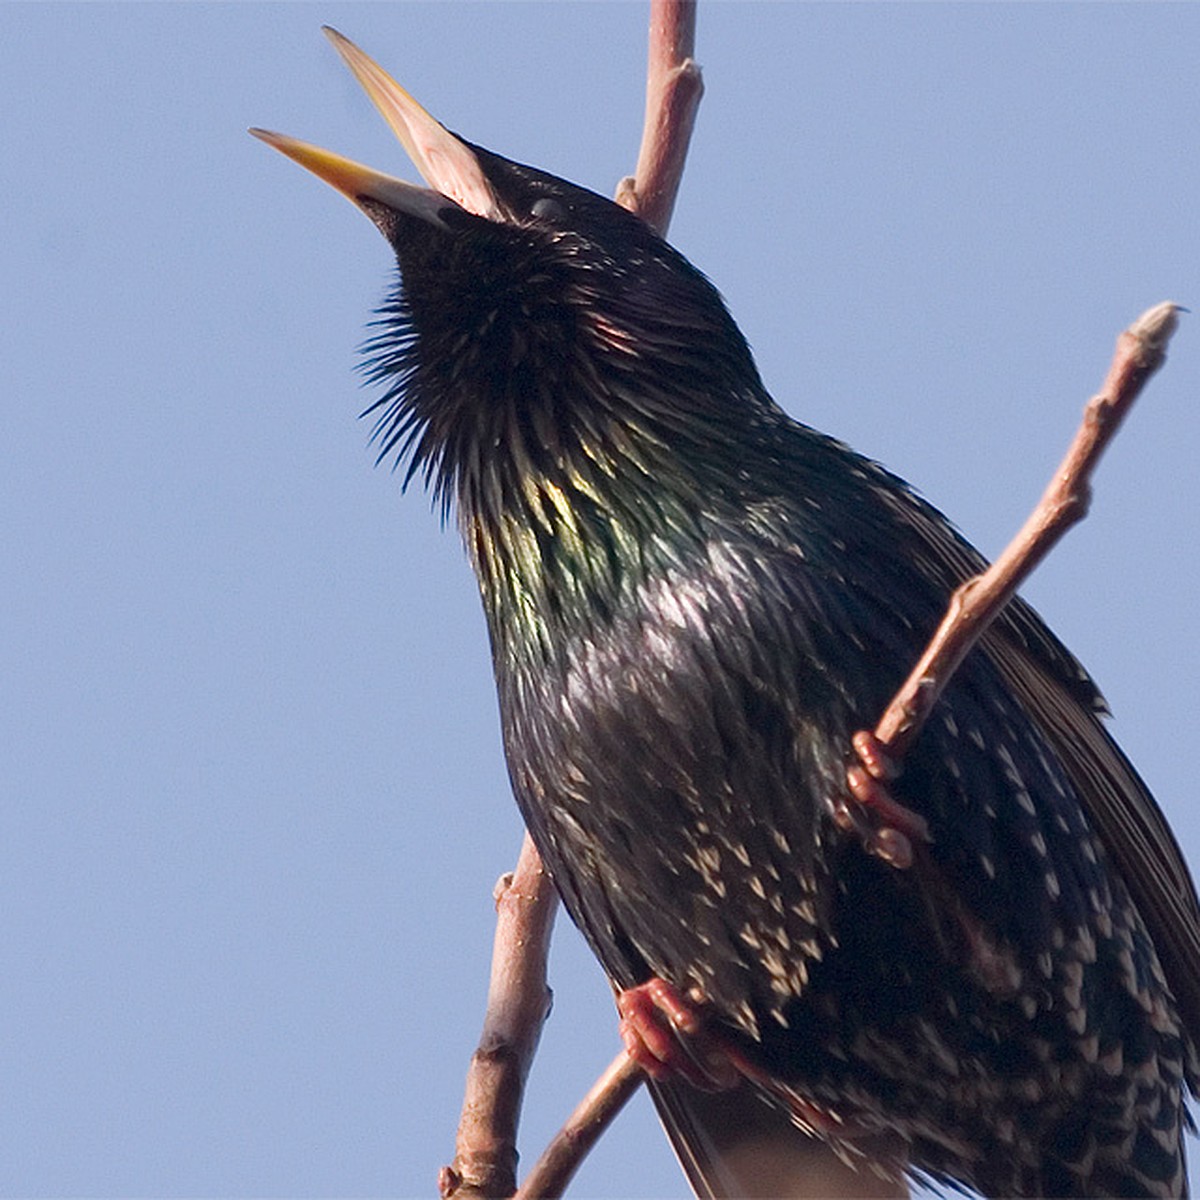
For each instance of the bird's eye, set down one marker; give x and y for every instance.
(548, 209)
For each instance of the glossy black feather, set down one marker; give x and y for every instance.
(694, 602)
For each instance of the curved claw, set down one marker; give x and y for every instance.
(663, 1033)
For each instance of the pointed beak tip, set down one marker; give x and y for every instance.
(277, 141)
(289, 146)
(343, 45)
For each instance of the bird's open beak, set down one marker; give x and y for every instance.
(447, 165)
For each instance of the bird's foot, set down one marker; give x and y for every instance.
(888, 829)
(664, 1034)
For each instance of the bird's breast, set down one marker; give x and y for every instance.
(675, 763)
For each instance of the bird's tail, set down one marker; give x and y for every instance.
(735, 1145)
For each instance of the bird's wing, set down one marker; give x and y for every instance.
(1065, 703)
(1126, 817)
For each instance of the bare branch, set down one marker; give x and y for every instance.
(485, 1162)
(1141, 350)
(673, 91)
(570, 1146)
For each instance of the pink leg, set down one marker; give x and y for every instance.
(887, 827)
(664, 1034)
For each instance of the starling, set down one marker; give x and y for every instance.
(694, 602)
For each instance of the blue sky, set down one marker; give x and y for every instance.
(252, 801)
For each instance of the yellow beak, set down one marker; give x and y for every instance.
(448, 165)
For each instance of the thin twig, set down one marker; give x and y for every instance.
(673, 91)
(1140, 351)
(485, 1162)
(571, 1145)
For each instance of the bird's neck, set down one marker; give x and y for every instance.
(561, 546)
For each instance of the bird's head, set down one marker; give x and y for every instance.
(532, 314)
